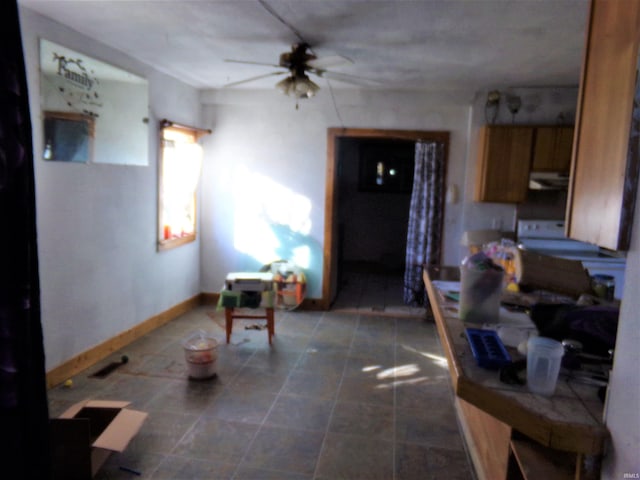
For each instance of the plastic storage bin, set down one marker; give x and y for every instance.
(481, 284)
(200, 351)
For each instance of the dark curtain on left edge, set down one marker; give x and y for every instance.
(24, 433)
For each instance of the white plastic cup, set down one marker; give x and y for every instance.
(544, 356)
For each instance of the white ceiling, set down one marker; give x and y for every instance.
(394, 44)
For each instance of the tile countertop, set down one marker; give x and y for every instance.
(569, 420)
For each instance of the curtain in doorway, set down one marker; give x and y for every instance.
(424, 235)
(24, 422)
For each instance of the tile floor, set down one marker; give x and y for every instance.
(337, 396)
(371, 291)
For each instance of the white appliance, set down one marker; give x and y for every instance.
(547, 237)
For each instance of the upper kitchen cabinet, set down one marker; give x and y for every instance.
(504, 163)
(552, 149)
(604, 169)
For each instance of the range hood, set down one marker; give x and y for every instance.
(548, 181)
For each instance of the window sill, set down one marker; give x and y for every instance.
(175, 242)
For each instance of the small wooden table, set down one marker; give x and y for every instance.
(229, 316)
(233, 297)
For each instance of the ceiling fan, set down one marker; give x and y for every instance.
(298, 63)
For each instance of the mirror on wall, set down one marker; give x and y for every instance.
(92, 111)
(69, 136)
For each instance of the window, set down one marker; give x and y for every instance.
(180, 165)
(386, 166)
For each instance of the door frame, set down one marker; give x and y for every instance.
(329, 262)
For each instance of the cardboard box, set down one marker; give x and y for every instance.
(84, 436)
(544, 272)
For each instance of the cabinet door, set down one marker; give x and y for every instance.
(504, 163)
(552, 149)
(604, 173)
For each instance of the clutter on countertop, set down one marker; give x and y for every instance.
(590, 321)
(594, 326)
(504, 253)
(544, 357)
(487, 348)
(481, 284)
(536, 271)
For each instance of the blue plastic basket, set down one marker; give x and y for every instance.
(487, 348)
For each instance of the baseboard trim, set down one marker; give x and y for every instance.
(90, 357)
(210, 298)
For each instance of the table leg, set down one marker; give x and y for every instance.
(270, 324)
(228, 315)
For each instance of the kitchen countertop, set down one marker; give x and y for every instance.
(570, 420)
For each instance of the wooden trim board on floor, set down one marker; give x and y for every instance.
(90, 357)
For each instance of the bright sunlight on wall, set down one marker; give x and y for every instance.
(271, 222)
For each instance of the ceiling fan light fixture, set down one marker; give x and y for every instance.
(298, 86)
(304, 87)
(285, 85)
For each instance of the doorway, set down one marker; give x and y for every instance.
(337, 141)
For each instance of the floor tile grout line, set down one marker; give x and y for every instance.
(395, 400)
(337, 395)
(202, 413)
(292, 369)
(359, 325)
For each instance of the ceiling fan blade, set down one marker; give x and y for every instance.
(329, 61)
(248, 62)
(346, 78)
(247, 80)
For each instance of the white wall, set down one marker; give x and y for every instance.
(100, 272)
(622, 412)
(262, 132)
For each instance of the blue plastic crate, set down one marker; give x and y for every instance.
(487, 348)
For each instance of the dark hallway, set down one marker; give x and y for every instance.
(374, 191)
